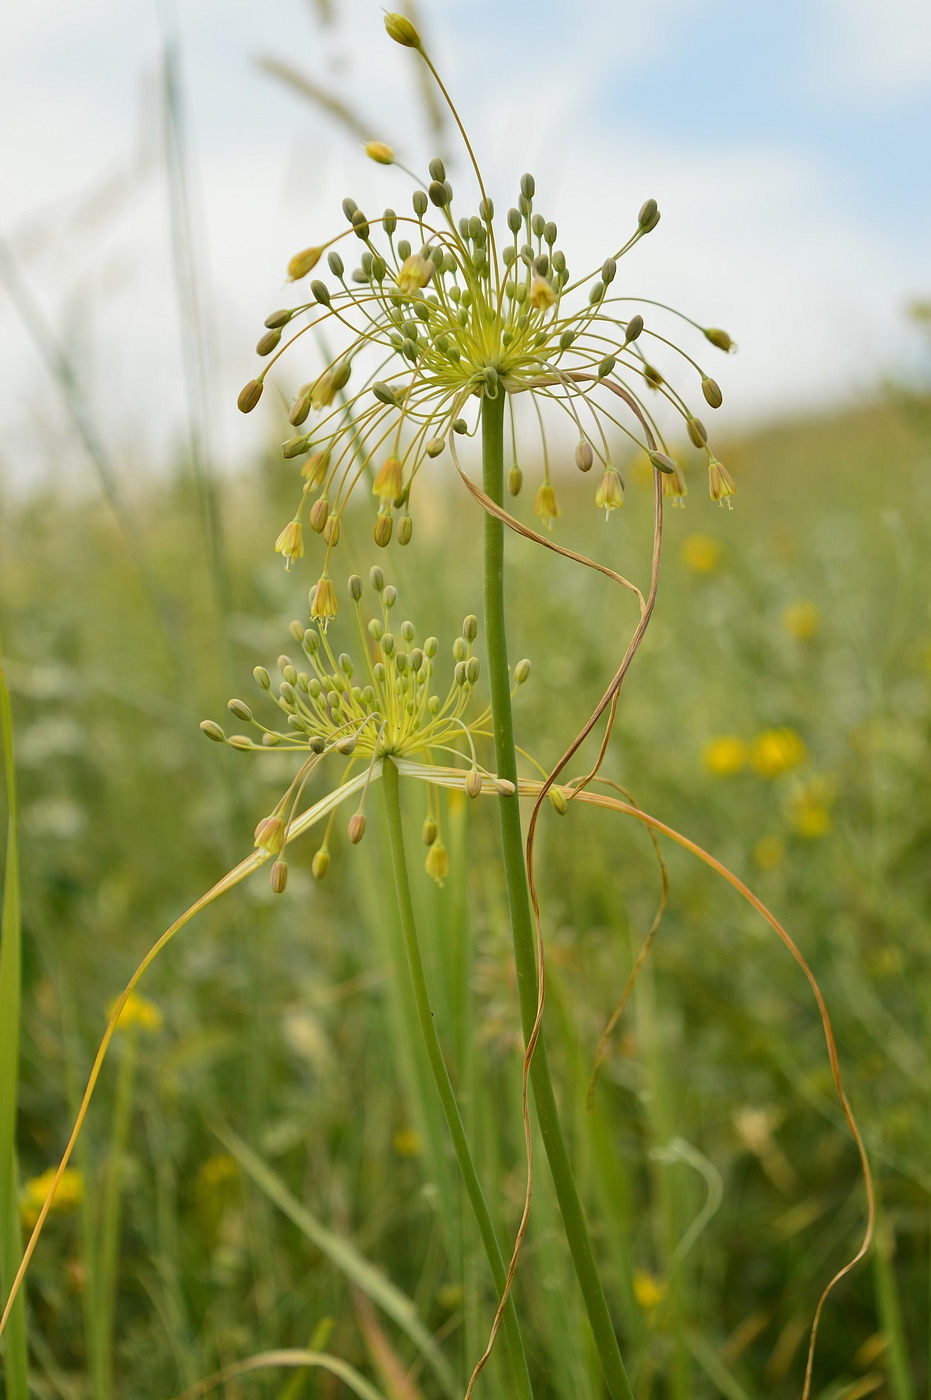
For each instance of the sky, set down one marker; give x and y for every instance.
(787, 144)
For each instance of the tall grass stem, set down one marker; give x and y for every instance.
(444, 1086)
(499, 682)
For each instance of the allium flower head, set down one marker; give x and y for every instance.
(445, 309)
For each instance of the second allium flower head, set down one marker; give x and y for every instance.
(442, 311)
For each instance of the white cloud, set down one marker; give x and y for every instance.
(875, 48)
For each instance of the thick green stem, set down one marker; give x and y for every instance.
(521, 917)
(441, 1076)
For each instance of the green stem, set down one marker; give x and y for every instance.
(441, 1076)
(521, 918)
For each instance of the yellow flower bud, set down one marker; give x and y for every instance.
(388, 483)
(720, 483)
(546, 506)
(324, 604)
(302, 263)
(356, 827)
(402, 31)
(719, 338)
(319, 514)
(473, 783)
(269, 835)
(379, 152)
(558, 799)
(610, 493)
(331, 531)
(290, 542)
(383, 527)
(279, 877)
(437, 862)
(320, 864)
(415, 273)
(541, 296)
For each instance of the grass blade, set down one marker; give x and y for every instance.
(344, 1255)
(15, 1357)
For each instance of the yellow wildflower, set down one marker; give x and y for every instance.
(406, 1142)
(700, 553)
(325, 604)
(777, 751)
(388, 483)
(415, 272)
(546, 505)
(290, 542)
(137, 1012)
(67, 1196)
(648, 1291)
(541, 296)
(801, 620)
(437, 862)
(725, 755)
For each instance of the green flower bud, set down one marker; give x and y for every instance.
(350, 207)
(473, 667)
(390, 596)
(470, 627)
(250, 396)
(336, 264)
(383, 527)
(634, 329)
(400, 29)
(385, 394)
(696, 431)
(430, 646)
(549, 233)
(376, 630)
(295, 447)
(714, 333)
(435, 446)
(606, 366)
(558, 799)
(528, 186)
(429, 831)
(262, 677)
(515, 480)
(299, 410)
(460, 649)
(648, 217)
(355, 587)
(460, 425)
(514, 220)
(437, 169)
(213, 731)
(439, 194)
(321, 292)
(419, 201)
(376, 578)
(584, 456)
(663, 463)
(279, 877)
(281, 318)
(713, 396)
(608, 274)
(522, 671)
(473, 783)
(389, 221)
(239, 709)
(486, 210)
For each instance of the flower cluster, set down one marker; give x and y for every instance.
(443, 311)
(389, 710)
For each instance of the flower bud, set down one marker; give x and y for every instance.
(319, 512)
(379, 152)
(295, 447)
(558, 799)
(320, 863)
(541, 296)
(405, 529)
(389, 481)
(356, 827)
(360, 227)
(250, 396)
(240, 710)
(439, 194)
(269, 835)
(720, 482)
(355, 587)
(549, 233)
(376, 630)
(546, 506)
(437, 862)
(331, 531)
(239, 741)
(390, 596)
(652, 376)
(713, 396)
(696, 430)
(662, 463)
(213, 731)
(385, 394)
(522, 671)
(460, 426)
(383, 527)
(514, 220)
(717, 337)
(515, 480)
(429, 831)
(299, 410)
(376, 578)
(262, 677)
(320, 292)
(302, 263)
(634, 328)
(324, 603)
(279, 877)
(608, 274)
(528, 186)
(290, 543)
(473, 783)
(470, 627)
(584, 456)
(402, 31)
(277, 319)
(606, 366)
(610, 493)
(648, 217)
(473, 667)
(415, 272)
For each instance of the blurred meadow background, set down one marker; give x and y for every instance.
(264, 1164)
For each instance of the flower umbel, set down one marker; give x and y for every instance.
(389, 710)
(441, 311)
